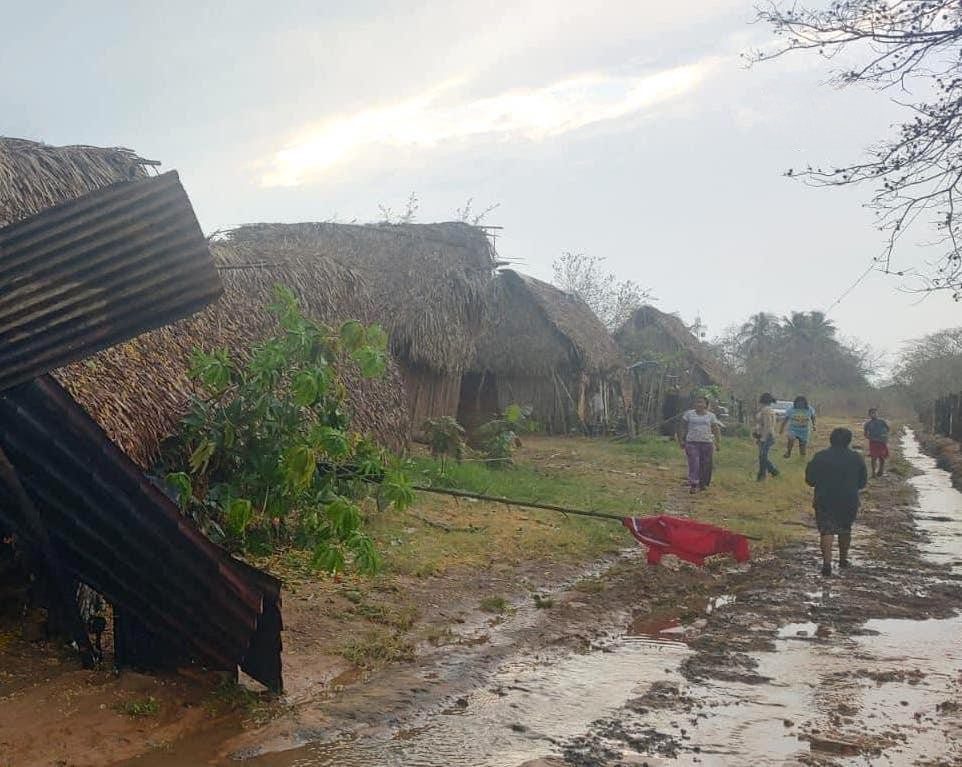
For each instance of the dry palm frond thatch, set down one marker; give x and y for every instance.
(532, 328)
(649, 330)
(427, 281)
(35, 176)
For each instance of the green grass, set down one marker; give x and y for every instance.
(377, 648)
(497, 605)
(140, 707)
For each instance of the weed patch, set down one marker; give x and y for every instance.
(377, 648)
(496, 605)
(141, 707)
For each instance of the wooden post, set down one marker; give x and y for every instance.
(64, 588)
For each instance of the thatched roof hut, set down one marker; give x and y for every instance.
(668, 363)
(35, 176)
(138, 391)
(546, 349)
(428, 284)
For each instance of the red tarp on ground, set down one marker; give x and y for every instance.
(686, 539)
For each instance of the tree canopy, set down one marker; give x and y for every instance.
(611, 299)
(911, 49)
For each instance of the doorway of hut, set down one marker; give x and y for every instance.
(478, 403)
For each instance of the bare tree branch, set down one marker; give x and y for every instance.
(915, 47)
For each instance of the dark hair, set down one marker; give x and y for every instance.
(699, 397)
(872, 410)
(840, 437)
(766, 399)
(800, 402)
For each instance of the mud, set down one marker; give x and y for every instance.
(780, 666)
(767, 664)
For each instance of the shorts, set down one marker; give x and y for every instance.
(801, 436)
(878, 449)
(833, 522)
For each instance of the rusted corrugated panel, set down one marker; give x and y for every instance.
(118, 533)
(98, 270)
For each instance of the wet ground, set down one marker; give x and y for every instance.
(770, 665)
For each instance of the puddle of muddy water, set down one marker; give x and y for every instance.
(526, 709)
(940, 504)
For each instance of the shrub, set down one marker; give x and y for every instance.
(266, 455)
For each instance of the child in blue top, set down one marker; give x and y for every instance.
(800, 420)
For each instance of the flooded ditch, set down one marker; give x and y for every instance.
(792, 668)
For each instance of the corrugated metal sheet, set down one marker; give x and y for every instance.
(185, 597)
(98, 270)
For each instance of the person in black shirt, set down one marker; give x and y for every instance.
(837, 474)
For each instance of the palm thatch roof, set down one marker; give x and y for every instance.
(138, 391)
(427, 281)
(34, 176)
(532, 328)
(635, 339)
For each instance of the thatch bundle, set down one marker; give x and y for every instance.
(35, 176)
(652, 332)
(543, 348)
(138, 391)
(532, 328)
(427, 280)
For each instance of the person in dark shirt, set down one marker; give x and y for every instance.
(837, 474)
(877, 433)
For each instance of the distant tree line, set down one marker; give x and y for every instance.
(798, 354)
(931, 368)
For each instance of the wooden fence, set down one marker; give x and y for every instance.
(947, 416)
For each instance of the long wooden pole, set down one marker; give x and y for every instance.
(532, 505)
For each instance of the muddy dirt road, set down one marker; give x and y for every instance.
(769, 665)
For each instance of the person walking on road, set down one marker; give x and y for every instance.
(800, 420)
(837, 474)
(765, 436)
(699, 435)
(877, 433)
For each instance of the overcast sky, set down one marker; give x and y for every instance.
(627, 129)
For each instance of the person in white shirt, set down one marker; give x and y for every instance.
(699, 435)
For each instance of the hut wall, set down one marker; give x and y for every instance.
(430, 394)
(563, 403)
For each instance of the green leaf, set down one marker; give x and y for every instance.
(376, 337)
(201, 456)
(344, 516)
(513, 414)
(352, 335)
(397, 490)
(305, 388)
(298, 466)
(328, 558)
(238, 515)
(180, 482)
(212, 370)
(230, 435)
(332, 441)
(366, 558)
(372, 362)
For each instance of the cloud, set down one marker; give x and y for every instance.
(435, 118)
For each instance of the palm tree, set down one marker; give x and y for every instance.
(814, 328)
(759, 336)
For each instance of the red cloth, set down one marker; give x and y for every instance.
(685, 538)
(878, 449)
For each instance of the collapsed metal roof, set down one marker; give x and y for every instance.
(92, 272)
(75, 279)
(117, 532)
